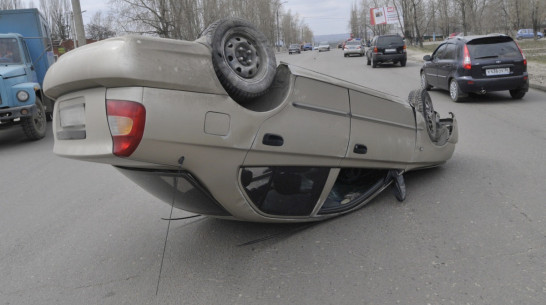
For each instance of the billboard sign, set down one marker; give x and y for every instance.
(384, 15)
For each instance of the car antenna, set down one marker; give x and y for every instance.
(179, 172)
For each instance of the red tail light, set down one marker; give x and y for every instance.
(126, 120)
(375, 49)
(467, 63)
(522, 55)
(404, 49)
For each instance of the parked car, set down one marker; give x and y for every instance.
(176, 118)
(324, 46)
(294, 48)
(307, 47)
(387, 49)
(528, 33)
(353, 47)
(476, 64)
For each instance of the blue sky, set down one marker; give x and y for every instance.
(322, 16)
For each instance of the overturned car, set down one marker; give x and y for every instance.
(215, 127)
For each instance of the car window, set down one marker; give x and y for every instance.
(279, 190)
(493, 49)
(450, 51)
(390, 40)
(439, 53)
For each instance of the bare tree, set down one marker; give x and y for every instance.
(58, 14)
(11, 4)
(100, 27)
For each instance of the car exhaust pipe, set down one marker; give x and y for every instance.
(483, 91)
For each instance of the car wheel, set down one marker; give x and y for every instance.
(374, 63)
(517, 94)
(424, 83)
(403, 62)
(420, 99)
(35, 126)
(368, 62)
(243, 60)
(454, 91)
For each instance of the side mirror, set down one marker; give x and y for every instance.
(427, 58)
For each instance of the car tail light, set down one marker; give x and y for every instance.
(375, 50)
(522, 55)
(404, 49)
(467, 63)
(126, 120)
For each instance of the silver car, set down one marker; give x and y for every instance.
(353, 47)
(187, 122)
(324, 46)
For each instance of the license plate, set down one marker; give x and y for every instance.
(390, 50)
(497, 71)
(72, 116)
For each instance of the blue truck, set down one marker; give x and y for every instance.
(25, 55)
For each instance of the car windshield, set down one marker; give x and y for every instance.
(494, 49)
(9, 51)
(390, 40)
(294, 46)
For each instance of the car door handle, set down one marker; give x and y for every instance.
(272, 140)
(360, 149)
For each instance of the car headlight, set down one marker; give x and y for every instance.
(22, 96)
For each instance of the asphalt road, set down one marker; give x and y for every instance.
(472, 231)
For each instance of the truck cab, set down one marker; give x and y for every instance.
(25, 56)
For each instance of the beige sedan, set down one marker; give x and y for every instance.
(182, 121)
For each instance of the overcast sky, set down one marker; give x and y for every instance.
(322, 16)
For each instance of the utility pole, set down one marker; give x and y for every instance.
(78, 23)
(278, 28)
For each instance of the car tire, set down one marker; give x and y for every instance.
(454, 91)
(420, 99)
(424, 83)
(517, 94)
(403, 62)
(232, 39)
(374, 63)
(35, 125)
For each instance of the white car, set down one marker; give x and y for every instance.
(353, 47)
(324, 46)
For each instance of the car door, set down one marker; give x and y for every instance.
(446, 63)
(311, 130)
(382, 132)
(431, 67)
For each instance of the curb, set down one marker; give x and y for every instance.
(537, 86)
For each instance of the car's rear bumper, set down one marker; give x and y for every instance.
(353, 52)
(389, 57)
(469, 84)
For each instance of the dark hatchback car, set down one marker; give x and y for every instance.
(476, 64)
(387, 49)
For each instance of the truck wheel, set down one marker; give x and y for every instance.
(243, 61)
(35, 126)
